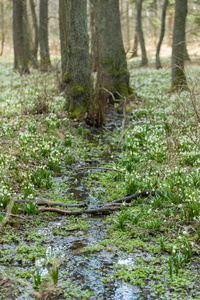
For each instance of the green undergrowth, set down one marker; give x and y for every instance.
(39, 146)
(160, 151)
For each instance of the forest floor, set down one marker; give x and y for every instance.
(146, 249)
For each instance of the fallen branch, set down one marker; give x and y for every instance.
(143, 194)
(96, 211)
(105, 209)
(49, 203)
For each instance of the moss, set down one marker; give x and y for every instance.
(77, 90)
(76, 112)
(66, 77)
(122, 88)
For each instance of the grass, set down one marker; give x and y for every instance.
(160, 151)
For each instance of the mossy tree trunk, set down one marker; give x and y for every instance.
(44, 40)
(162, 33)
(34, 49)
(144, 61)
(178, 47)
(76, 49)
(19, 37)
(112, 73)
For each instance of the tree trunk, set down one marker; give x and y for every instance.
(112, 74)
(128, 25)
(77, 74)
(63, 38)
(178, 47)
(93, 30)
(170, 24)
(144, 61)
(135, 46)
(155, 8)
(14, 35)
(27, 32)
(162, 33)
(186, 54)
(44, 41)
(34, 50)
(18, 37)
(2, 27)
(112, 68)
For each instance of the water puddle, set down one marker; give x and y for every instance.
(127, 292)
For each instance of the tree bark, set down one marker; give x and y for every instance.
(186, 54)
(77, 74)
(14, 35)
(155, 8)
(34, 50)
(178, 47)
(112, 66)
(63, 38)
(93, 39)
(162, 33)
(27, 32)
(44, 40)
(170, 22)
(144, 61)
(112, 74)
(2, 28)
(135, 46)
(18, 37)
(128, 25)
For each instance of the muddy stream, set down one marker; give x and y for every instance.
(83, 270)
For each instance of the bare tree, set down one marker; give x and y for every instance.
(27, 32)
(44, 40)
(93, 32)
(2, 26)
(162, 34)
(178, 47)
(135, 46)
(63, 38)
(144, 61)
(19, 37)
(36, 34)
